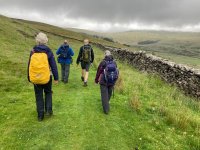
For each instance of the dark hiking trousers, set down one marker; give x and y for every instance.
(106, 93)
(65, 69)
(40, 103)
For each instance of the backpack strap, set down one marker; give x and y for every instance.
(108, 61)
(33, 51)
(90, 47)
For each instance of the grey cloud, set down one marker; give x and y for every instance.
(173, 13)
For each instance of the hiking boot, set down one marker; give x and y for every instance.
(106, 113)
(82, 78)
(136, 148)
(49, 114)
(40, 119)
(65, 82)
(85, 84)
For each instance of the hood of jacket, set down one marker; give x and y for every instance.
(108, 58)
(39, 48)
(65, 46)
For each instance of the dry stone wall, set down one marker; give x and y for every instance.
(186, 78)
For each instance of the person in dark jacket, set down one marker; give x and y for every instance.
(44, 106)
(106, 90)
(65, 53)
(86, 58)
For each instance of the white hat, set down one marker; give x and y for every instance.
(107, 53)
(41, 38)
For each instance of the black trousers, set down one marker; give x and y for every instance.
(65, 69)
(106, 93)
(43, 104)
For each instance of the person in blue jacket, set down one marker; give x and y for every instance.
(65, 53)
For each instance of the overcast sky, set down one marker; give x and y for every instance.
(109, 15)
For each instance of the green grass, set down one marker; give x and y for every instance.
(146, 112)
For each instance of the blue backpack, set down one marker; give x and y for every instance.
(64, 52)
(111, 73)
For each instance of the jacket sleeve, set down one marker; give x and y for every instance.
(99, 71)
(29, 65)
(79, 56)
(92, 55)
(53, 66)
(58, 51)
(72, 52)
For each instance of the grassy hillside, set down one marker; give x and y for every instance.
(179, 47)
(60, 32)
(145, 112)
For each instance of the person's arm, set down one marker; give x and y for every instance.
(58, 51)
(99, 71)
(92, 55)
(31, 53)
(53, 66)
(79, 56)
(71, 52)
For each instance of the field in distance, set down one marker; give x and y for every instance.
(180, 47)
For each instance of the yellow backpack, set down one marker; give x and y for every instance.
(39, 71)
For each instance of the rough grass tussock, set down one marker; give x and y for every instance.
(135, 103)
(120, 87)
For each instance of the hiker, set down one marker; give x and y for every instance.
(41, 64)
(65, 53)
(107, 75)
(86, 57)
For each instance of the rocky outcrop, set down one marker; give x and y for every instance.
(186, 78)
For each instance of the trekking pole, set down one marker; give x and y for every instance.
(92, 65)
(113, 92)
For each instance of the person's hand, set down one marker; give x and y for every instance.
(96, 82)
(56, 81)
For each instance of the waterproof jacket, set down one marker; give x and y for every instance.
(51, 59)
(100, 78)
(70, 53)
(81, 53)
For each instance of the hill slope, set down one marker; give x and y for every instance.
(180, 47)
(145, 112)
